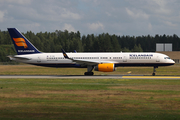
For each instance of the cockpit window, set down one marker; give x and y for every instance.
(167, 58)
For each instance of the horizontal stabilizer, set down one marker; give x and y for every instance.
(19, 58)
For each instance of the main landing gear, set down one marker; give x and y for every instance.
(154, 70)
(89, 73)
(89, 70)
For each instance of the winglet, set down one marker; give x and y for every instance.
(64, 54)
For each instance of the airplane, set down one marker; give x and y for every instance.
(97, 61)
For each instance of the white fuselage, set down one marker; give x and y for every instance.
(119, 59)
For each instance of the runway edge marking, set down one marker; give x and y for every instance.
(152, 77)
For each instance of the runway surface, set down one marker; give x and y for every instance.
(88, 77)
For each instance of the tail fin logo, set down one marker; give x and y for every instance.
(20, 42)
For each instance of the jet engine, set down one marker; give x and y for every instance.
(105, 67)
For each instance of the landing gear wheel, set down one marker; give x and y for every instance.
(154, 70)
(89, 73)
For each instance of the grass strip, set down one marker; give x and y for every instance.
(89, 99)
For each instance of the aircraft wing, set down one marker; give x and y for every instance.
(86, 62)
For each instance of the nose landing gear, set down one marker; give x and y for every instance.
(154, 70)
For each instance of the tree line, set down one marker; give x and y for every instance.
(70, 41)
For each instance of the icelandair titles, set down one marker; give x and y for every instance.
(26, 50)
(140, 56)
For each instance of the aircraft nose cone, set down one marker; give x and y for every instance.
(172, 61)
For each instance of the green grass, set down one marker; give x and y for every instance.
(36, 70)
(124, 99)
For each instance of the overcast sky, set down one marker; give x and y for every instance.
(120, 17)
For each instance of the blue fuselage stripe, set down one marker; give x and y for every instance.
(116, 65)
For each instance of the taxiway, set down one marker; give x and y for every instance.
(87, 77)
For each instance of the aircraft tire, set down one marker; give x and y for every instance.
(89, 73)
(153, 74)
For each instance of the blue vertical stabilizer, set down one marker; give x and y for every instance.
(21, 43)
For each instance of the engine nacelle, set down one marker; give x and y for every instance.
(105, 67)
